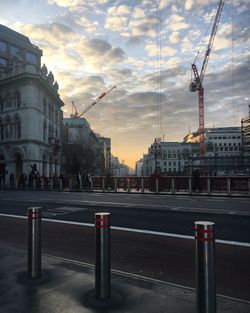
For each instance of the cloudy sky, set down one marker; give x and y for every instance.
(145, 48)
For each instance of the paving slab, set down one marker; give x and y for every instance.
(67, 286)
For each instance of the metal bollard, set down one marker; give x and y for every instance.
(205, 267)
(91, 183)
(189, 185)
(228, 187)
(173, 186)
(103, 185)
(128, 181)
(142, 185)
(34, 242)
(115, 183)
(102, 265)
(208, 186)
(156, 185)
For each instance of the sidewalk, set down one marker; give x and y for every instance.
(67, 287)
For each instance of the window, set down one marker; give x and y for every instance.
(1, 104)
(17, 127)
(7, 127)
(8, 101)
(2, 46)
(31, 57)
(3, 62)
(17, 99)
(1, 131)
(13, 50)
(44, 130)
(44, 106)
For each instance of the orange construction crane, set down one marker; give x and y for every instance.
(90, 105)
(197, 83)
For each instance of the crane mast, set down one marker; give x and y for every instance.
(197, 83)
(92, 104)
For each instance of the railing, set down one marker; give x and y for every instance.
(210, 185)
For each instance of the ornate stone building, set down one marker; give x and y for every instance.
(30, 109)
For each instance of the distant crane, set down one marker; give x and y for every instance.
(77, 115)
(197, 83)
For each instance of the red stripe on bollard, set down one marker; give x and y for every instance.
(102, 219)
(204, 239)
(101, 226)
(207, 231)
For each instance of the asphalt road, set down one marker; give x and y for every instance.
(170, 214)
(157, 256)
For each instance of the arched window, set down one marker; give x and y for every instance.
(44, 130)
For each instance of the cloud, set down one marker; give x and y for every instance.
(146, 26)
(89, 26)
(74, 3)
(176, 22)
(174, 37)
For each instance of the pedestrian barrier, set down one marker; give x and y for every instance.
(205, 267)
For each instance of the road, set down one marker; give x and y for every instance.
(159, 254)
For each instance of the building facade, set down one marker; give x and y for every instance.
(30, 109)
(223, 149)
(82, 150)
(169, 158)
(245, 129)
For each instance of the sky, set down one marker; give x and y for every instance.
(145, 48)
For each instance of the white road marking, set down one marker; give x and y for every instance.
(134, 230)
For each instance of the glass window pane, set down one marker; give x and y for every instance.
(2, 62)
(13, 50)
(2, 46)
(30, 57)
